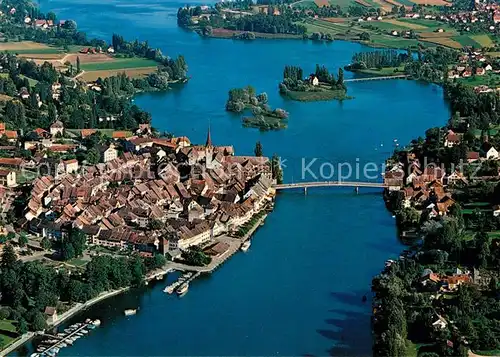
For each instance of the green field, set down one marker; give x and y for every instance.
(33, 82)
(465, 40)
(484, 40)
(316, 96)
(385, 26)
(8, 326)
(39, 51)
(344, 32)
(386, 71)
(489, 79)
(119, 63)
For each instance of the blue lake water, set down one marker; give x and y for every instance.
(298, 290)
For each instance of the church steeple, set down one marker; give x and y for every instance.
(209, 138)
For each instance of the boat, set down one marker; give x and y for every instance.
(84, 331)
(246, 245)
(34, 355)
(182, 289)
(97, 322)
(130, 312)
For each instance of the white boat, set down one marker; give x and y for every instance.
(84, 332)
(246, 245)
(34, 355)
(97, 322)
(183, 289)
(130, 312)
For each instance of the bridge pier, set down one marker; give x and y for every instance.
(305, 190)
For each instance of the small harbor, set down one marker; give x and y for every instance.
(54, 343)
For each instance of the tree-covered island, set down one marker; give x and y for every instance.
(263, 116)
(320, 85)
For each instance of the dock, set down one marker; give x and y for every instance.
(183, 279)
(61, 340)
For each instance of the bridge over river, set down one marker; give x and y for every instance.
(377, 78)
(306, 185)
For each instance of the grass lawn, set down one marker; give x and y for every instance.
(342, 3)
(386, 71)
(387, 26)
(25, 176)
(316, 96)
(8, 325)
(465, 40)
(44, 51)
(6, 340)
(411, 349)
(119, 63)
(484, 40)
(32, 81)
(494, 235)
(77, 262)
(491, 79)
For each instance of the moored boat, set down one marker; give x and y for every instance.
(130, 312)
(97, 322)
(183, 289)
(246, 245)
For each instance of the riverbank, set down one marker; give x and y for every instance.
(231, 34)
(77, 308)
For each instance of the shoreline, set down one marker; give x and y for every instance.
(80, 307)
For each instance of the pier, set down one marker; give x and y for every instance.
(62, 339)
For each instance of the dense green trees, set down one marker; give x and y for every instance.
(195, 256)
(378, 59)
(73, 245)
(293, 79)
(27, 288)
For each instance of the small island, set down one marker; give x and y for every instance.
(320, 85)
(263, 116)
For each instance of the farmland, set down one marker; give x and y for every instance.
(28, 47)
(117, 64)
(131, 72)
(484, 40)
(94, 65)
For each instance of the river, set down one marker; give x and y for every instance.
(298, 290)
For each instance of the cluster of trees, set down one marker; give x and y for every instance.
(27, 288)
(267, 24)
(378, 59)
(195, 256)
(432, 64)
(264, 117)
(74, 244)
(293, 79)
(241, 98)
(176, 69)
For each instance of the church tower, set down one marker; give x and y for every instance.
(209, 151)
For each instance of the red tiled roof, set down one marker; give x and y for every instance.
(87, 132)
(6, 161)
(11, 134)
(473, 155)
(119, 134)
